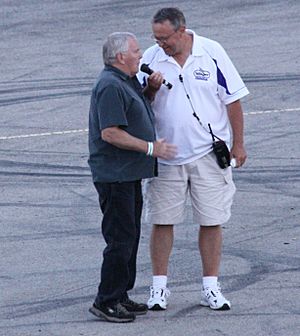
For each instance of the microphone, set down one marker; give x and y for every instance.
(147, 70)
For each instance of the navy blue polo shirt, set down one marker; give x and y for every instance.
(117, 100)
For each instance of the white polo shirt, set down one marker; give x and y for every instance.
(211, 81)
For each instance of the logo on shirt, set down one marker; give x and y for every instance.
(201, 74)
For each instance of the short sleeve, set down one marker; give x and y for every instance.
(231, 85)
(111, 107)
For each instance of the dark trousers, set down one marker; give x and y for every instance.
(121, 205)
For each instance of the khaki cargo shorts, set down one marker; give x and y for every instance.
(210, 188)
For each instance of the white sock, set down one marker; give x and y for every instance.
(210, 281)
(160, 281)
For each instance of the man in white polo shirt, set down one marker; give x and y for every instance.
(202, 104)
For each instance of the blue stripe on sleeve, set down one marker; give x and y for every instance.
(221, 78)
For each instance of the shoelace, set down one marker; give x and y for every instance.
(163, 291)
(167, 292)
(121, 309)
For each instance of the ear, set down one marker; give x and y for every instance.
(120, 58)
(182, 29)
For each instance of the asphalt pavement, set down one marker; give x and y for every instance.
(50, 239)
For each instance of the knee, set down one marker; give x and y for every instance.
(120, 249)
(164, 229)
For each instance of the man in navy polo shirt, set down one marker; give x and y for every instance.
(122, 150)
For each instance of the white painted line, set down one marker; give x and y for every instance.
(43, 134)
(273, 111)
(86, 130)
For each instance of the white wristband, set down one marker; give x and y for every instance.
(233, 163)
(150, 149)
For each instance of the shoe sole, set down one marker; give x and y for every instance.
(139, 312)
(100, 314)
(136, 312)
(144, 312)
(224, 307)
(157, 307)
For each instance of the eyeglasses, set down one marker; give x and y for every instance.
(163, 40)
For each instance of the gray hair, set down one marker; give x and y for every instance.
(115, 43)
(172, 14)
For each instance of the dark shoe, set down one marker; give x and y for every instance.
(134, 307)
(113, 313)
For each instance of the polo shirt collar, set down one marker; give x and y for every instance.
(117, 71)
(197, 49)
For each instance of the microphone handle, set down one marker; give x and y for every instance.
(149, 71)
(167, 84)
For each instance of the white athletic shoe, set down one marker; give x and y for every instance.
(158, 298)
(214, 299)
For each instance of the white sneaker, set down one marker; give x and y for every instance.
(214, 299)
(158, 298)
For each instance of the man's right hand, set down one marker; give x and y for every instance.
(154, 83)
(164, 150)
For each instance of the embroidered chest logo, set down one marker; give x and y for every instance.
(201, 74)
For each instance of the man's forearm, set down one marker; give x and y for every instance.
(236, 118)
(121, 139)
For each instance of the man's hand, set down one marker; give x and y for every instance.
(154, 83)
(164, 150)
(239, 153)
